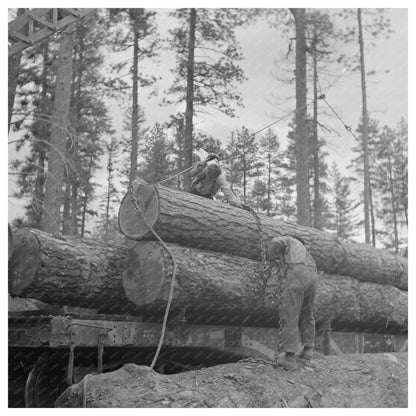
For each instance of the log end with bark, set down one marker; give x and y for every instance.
(62, 270)
(139, 210)
(209, 287)
(24, 262)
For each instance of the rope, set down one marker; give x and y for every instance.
(172, 283)
(347, 127)
(175, 175)
(280, 119)
(253, 134)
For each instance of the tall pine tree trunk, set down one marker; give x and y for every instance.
(74, 139)
(13, 73)
(269, 183)
(189, 112)
(365, 131)
(244, 182)
(135, 109)
(51, 221)
(373, 219)
(302, 171)
(74, 208)
(403, 177)
(317, 204)
(66, 211)
(393, 205)
(86, 195)
(38, 193)
(107, 204)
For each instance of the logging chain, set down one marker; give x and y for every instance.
(265, 277)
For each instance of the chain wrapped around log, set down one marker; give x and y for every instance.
(217, 288)
(211, 287)
(193, 221)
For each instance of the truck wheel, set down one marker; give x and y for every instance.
(46, 381)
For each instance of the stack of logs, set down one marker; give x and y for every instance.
(219, 279)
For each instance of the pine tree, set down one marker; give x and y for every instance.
(269, 152)
(357, 164)
(376, 25)
(90, 121)
(289, 164)
(233, 172)
(388, 182)
(320, 32)
(107, 229)
(244, 152)
(157, 155)
(302, 177)
(126, 166)
(342, 218)
(177, 124)
(52, 219)
(259, 196)
(400, 166)
(13, 74)
(207, 71)
(38, 100)
(133, 28)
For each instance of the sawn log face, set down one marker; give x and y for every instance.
(198, 222)
(221, 289)
(67, 271)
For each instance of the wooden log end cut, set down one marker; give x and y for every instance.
(130, 220)
(143, 276)
(24, 261)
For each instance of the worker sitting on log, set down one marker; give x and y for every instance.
(298, 289)
(208, 180)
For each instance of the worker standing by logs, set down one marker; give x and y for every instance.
(296, 310)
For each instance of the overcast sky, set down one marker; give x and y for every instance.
(387, 90)
(267, 99)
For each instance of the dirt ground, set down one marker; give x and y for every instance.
(348, 381)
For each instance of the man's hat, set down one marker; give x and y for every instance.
(300, 239)
(214, 170)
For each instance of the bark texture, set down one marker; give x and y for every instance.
(51, 220)
(303, 202)
(221, 289)
(359, 380)
(67, 271)
(189, 111)
(198, 222)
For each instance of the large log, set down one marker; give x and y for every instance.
(348, 381)
(189, 220)
(214, 288)
(67, 271)
(222, 289)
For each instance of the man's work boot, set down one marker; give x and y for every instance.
(307, 353)
(288, 362)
